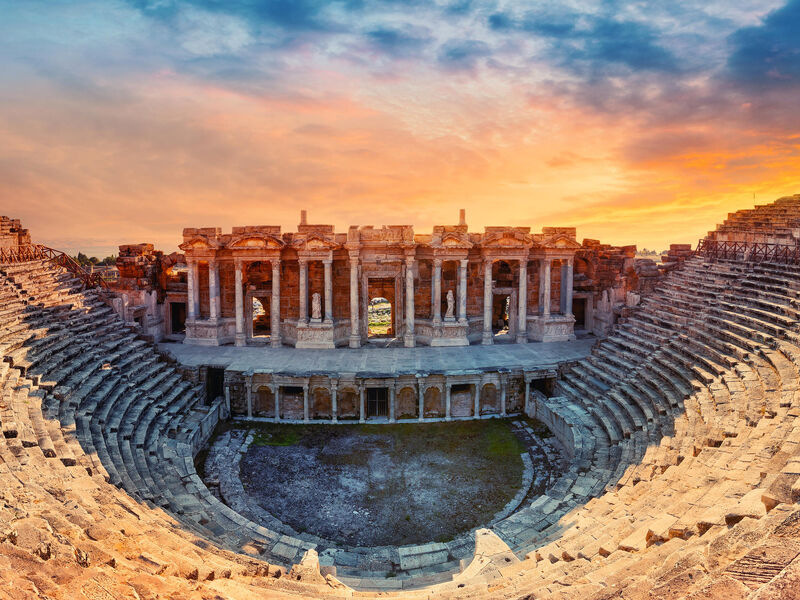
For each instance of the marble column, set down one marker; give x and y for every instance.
(327, 265)
(462, 291)
(213, 290)
(196, 293)
(527, 394)
(355, 337)
(276, 396)
(303, 291)
(275, 305)
(566, 284)
(502, 396)
(476, 398)
(241, 339)
(191, 283)
(487, 302)
(421, 400)
(409, 340)
(305, 403)
(362, 409)
(334, 400)
(544, 286)
(248, 382)
(392, 399)
(522, 302)
(228, 399)
(437, 291)
(447, 401)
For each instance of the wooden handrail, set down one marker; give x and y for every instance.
(749, 252)
(18, 254)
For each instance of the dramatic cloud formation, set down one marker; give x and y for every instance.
(124, 121)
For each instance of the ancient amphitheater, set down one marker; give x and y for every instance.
(680, 422)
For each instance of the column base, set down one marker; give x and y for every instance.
(409, 340)
(355, 341)
(276, 342)
(241, 340)
(522, 338)
(487, 340)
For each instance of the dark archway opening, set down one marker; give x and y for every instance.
(215, 384)
(177, 317)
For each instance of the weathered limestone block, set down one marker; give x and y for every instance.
(307, 570)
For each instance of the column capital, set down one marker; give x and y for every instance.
(437, 262)
(275, 262)
(238, 262)
(464, 262)
(327, 261)
(302, 260)
(410, 260)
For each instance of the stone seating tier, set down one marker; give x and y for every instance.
(683, 427)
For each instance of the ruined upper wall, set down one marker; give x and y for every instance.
(372, 236)
(12, 233)
(774, 223)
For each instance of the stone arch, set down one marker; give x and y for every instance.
(347, 401)
(490, 399)
(407, 403)
(321, 405)
(433, 402)
(264, 402)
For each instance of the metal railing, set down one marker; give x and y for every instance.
(18, 254)
(749, 252)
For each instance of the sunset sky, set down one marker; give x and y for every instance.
(636, 122)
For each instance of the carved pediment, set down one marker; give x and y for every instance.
(315, 242)
(198, 243)
(452, 240)
(256, 240)
(507, 240)
(561, 241)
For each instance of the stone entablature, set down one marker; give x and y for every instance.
(447, 288)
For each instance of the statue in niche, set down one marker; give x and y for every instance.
(316, 307)
(450, 305)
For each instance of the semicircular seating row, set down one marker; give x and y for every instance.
(682, 424)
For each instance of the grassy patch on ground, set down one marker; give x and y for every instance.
(278, 437)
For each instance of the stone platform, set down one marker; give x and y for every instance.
(382, 362)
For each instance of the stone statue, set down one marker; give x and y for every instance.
(450, 305)
(316, 307)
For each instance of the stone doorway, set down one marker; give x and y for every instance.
(382, 303)
(215, 383)
(177, 317)
(260, 315)
(377, 402)
(579, 311)
(501, 308)
(379, 318)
